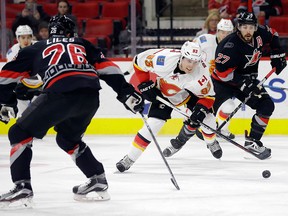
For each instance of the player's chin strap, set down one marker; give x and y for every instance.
(246, 99)
(259, 156)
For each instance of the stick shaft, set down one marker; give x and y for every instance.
(160, 151)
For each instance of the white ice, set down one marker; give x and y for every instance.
(232, 186)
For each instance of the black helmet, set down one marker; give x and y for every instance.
(61, 25)
(247, 18)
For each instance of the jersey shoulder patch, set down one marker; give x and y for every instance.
(160, 60)
(203, 39)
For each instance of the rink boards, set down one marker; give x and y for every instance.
(113, 118)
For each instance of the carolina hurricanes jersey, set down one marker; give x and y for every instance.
(13, 51)
(173, 83)
(64, 64)
(236, 59)
(208, 44)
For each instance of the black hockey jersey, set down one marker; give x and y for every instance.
(236, 59)
(64, 64)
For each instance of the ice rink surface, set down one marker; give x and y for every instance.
(232, 186)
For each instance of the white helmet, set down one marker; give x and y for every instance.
(191, 51)
(23, 30)
(225, 25)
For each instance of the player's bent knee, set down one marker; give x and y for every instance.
(16, 134)
(266, 108)
(67, 145)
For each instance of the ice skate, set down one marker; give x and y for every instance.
(19, 197)
(257, 147)
(227, 133)
(215, 149)
(95, 189)
(175, 146)
(124, 164)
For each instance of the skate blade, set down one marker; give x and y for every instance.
(92, 197)
(24, 203)
(254, 158)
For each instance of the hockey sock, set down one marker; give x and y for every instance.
(20, 154)
(209, 138)
(186, 133)
(139, 145)
(258, 126)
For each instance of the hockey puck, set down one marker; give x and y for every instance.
(266, 174)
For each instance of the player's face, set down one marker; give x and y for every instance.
(222, 34)
(247, 32)
(188, 65)
(25, 40)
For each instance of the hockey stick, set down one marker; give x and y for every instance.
(246, 99)
(276, 87)
(173, 180)
(209, 128)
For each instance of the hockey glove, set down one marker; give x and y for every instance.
(133, 102)
(28, 88)
(149, 90)
(6, 111)
(199, 112)
(278, 60)
(249, 86)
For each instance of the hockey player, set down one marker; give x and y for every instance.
(208, 45)
(237, 60)
(70, 68)
(182, 79)
(24, 36)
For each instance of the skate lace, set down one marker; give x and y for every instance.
(255, 146)
(86, 184)
(127, 162)
(214, 147)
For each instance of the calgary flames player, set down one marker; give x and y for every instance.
(182, 78)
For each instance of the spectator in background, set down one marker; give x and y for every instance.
(210, 25)
(64, 8)
(9, 38)
(263, 9)
(43, 33)
(31, 15)
(224, 8)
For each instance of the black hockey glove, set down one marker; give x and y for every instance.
(6, 111)
(278, 60)
(25, 93)
(199, 112)
(29, 87)
(133, 102)
(149, 90)
(249, 86)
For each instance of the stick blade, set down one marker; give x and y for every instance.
(175, 184)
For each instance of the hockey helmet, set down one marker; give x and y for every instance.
(191, 50)
(61, 25)
(23, 30)
(225, 25)
(247, 18)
